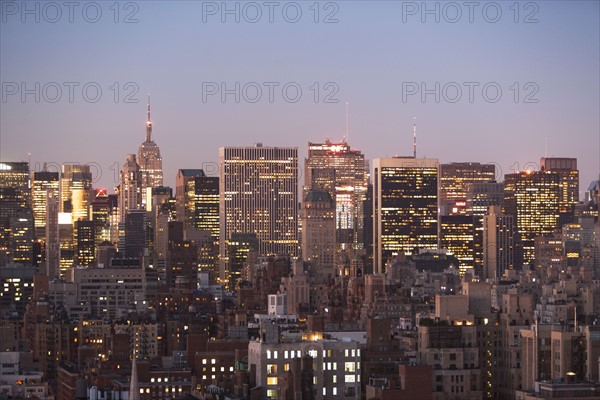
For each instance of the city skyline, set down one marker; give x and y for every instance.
(558, 53)
(357, 199)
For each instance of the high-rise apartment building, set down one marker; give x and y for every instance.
(259, 194)
(150, 163)
(405, 207)
(533, 197)
(344, 173)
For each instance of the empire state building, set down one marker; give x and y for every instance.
(150, 163)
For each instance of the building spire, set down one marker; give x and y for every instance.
(148, 124)
(134, 389)
(414, 137)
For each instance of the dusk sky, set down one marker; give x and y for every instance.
(373, 55)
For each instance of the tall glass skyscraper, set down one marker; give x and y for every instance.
(405, 207)
(344, 174)
(533, 197)
(259, 194)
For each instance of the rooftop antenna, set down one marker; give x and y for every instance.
(148, 123)
(414, 137)
(346, 134)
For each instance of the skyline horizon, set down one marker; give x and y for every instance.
(214, 165)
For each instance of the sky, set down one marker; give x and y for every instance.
(501, 82)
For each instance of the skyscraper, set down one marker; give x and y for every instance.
(500, 240)
(207, 205)
(159, 195)
(185, 195)
(42, 181)
(21, 237)
(341, 171)
(130, 188)
(455, 179)
(99, 214)
(52, 234)
(568, 174)
(318, 228)
(75, 190)
(135, 234)
(16, 175)
(405, 207)
(197, 198)
(150, 163)
(480, 196)
(533, 197)
(457, 236)
(15, 198)
(259, 194)
(85, 233)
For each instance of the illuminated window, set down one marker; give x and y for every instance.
(350, 379)
(349, 367)
(272, 380)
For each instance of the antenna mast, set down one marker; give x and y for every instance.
(414, 137)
